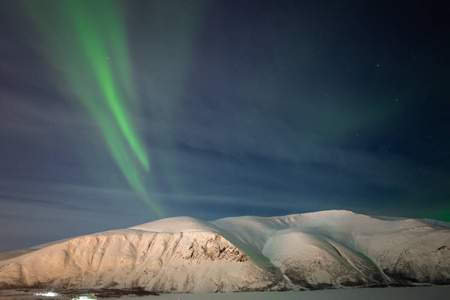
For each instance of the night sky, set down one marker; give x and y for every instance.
(117, 113)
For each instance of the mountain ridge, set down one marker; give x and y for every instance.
(327, 249)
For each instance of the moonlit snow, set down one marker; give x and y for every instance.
(329, 249)
(415, 293)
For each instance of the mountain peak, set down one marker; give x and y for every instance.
(176, 224)
(302, 251)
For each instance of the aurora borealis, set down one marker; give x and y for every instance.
(116, 113)
(94, 60)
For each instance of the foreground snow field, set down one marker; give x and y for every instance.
(408, 293)
(328, 249)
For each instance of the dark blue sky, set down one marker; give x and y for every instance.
(243, 107)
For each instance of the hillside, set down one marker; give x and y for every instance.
(329, 249)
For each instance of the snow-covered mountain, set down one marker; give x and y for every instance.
(303, 251)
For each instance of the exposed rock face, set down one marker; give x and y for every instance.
(163, 262)
(307, 251)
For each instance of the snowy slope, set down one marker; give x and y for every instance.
(314, 250)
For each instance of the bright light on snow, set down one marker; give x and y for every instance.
(48, 294)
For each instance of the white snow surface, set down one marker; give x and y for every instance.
(328, 249)
(399, 293)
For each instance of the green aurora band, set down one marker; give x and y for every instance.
(89, 44)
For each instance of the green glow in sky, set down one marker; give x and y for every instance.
(89, 42)
(442, 214)
(95, 51)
